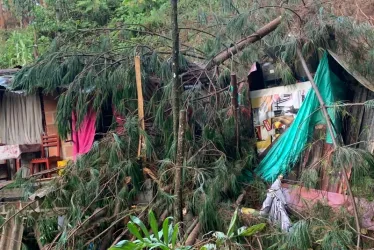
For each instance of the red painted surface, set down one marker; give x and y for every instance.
(300, 198)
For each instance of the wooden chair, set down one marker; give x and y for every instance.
(48, 141)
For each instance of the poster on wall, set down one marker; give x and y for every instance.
(274, 109)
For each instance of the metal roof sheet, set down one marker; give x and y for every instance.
(362, 80)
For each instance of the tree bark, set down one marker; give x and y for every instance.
(239, 46)
(175, 70)
(178, 187)
(164, 215)
(235, 109)
(334, 141)
(193, 235)
(2, 18)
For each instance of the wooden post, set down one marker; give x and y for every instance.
(178, 187)
(175, 69)
(139, 90)
(334, 141)
(235, 107)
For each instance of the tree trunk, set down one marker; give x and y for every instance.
(175, 69)
(235, 109)
(2, 18)
(178, 187)
(239, 46)
(334, 141)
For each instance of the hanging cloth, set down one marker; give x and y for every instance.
(83, 138)
(20, 119)
(274, 206)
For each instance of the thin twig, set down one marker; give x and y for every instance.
(84, 222)
(259, 243)
(107, 229)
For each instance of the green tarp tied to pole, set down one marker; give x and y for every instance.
(287, 150)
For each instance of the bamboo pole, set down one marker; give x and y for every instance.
(139, 90)
(178, 187)
(334, 141)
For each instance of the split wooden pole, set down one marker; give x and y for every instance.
(139, 90)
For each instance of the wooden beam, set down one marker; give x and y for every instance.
(8, 71)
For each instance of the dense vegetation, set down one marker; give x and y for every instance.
(83, 50)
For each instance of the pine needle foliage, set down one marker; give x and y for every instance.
(361, 163)
(319, 228)
(90, 65)
(85, 190)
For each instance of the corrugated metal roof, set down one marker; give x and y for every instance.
(362, 80)
(11, 234)
(5, 81)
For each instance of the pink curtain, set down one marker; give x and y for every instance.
(84, 137)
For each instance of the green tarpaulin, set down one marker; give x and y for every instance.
(287, 150)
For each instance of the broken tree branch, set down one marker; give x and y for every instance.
(239, 46)
(190, 228)
(176, 72)
(193, 235)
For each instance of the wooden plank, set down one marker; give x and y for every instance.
(367, 127)
(140, 102)
(11, 193)
(8, 71)
(357, 112)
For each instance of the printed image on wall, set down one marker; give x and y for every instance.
(274, 109)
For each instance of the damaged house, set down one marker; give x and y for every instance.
(292, 136)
